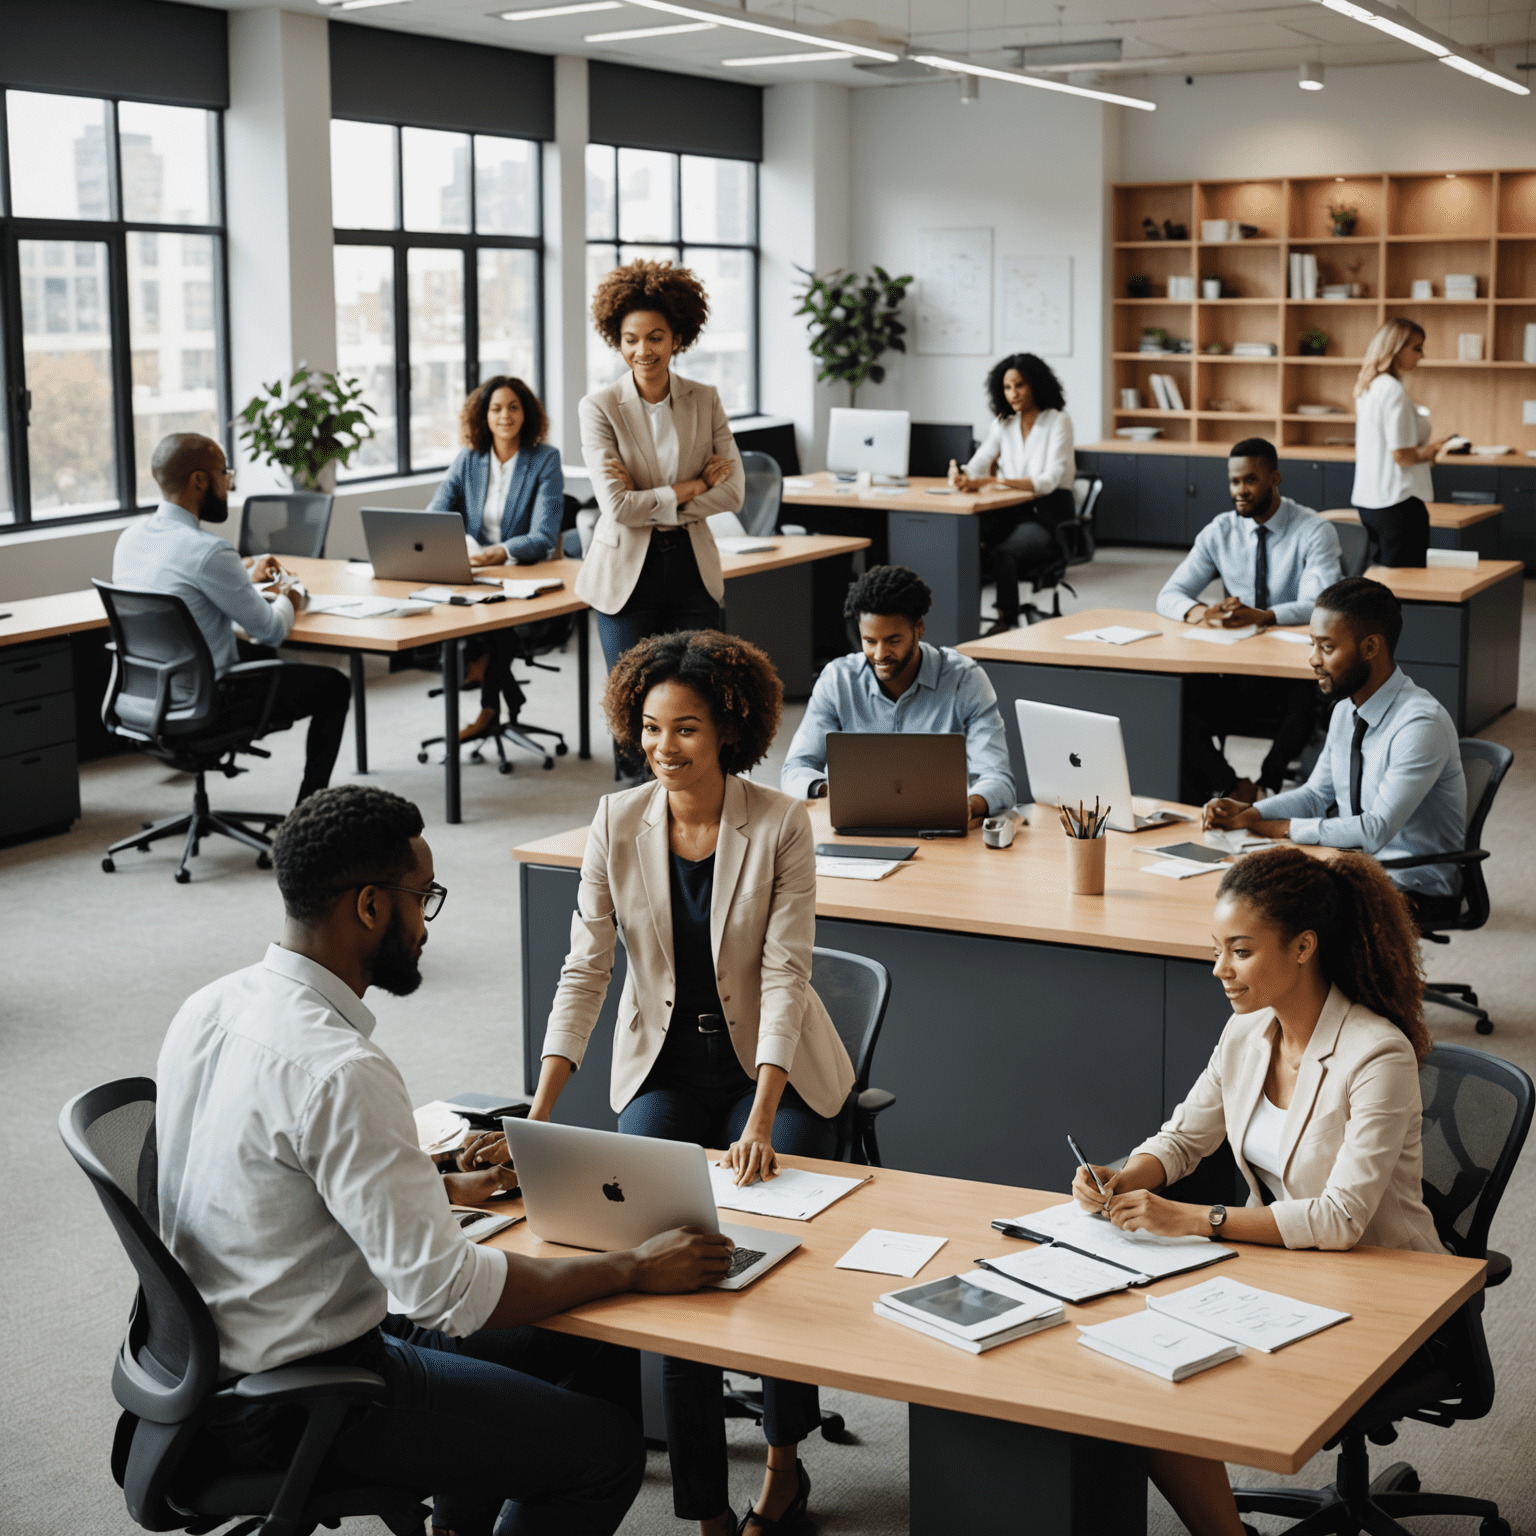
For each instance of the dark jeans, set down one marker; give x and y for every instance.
(499, 647)
(1432, 909)
(1222, 705)
(697, 1091)
(1022, 539)
(543, 1419)
(323, 695)
(1400, 534)
(669, 595)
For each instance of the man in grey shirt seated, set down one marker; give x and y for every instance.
(1389, 780)
(898, 682)
(173, 551)
(1273, 557)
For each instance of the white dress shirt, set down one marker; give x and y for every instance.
(292, 1188)
(1387, 419)
(1045, 456)
(1261, 1145)
(496, 498)
(664, 438)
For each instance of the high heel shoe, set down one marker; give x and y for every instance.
(794, 1516)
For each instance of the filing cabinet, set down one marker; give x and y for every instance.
(39, 773)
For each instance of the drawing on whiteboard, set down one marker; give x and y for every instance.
(954, 292)
(1036, 305)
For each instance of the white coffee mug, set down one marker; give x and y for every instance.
(997, 831)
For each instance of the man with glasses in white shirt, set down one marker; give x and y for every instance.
(293, 1192)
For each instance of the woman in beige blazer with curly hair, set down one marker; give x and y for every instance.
(1314, 1084)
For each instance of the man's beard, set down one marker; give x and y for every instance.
(395, 968)
(1351, 683)
(213, 508)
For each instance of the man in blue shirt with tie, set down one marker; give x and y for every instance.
(1273, 557)
(1389, 780)
(897, 682)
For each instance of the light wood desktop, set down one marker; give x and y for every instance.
(1442, 514)
(923, 493)
(808, 1321)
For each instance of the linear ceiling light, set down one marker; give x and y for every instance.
(742, 23)
(365, 5)
(563, 10)
(630, 32)
(1013, 77)
(782, 58)
(1419, 36)
(1478, 72)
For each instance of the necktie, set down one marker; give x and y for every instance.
(1357, 764)
(1261, 570)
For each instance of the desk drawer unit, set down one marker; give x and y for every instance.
(39, 778)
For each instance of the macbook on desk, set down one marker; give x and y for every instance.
(894, 784)
(598, 1189)
(1073, 755)
(424, 547)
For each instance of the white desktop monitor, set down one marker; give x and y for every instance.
(876, 441)
(1073, 755)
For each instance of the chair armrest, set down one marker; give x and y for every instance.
(291, 1383)
(1424, 860)
(874, 1101)
(1499, 1268)
(250, 668)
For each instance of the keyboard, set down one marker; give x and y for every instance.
(743, 1259)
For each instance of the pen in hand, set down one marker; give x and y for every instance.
(1087, 1168)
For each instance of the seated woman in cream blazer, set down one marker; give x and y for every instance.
(662, 459)
(720, 1038)
(1314, 1084)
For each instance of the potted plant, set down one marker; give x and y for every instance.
(314, 420)
(853, 324)
(1139, 285)
(1312, 342)
(1345, 216)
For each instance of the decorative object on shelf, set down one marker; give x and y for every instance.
(1313, 342)
(1181, 289)
(1304, 409)
(1226, 407)
(323, 420)
(1423, 288)
(1172, 231)
(1469, 347)
(1461, 285)
(853, 324)
(1254, 349)
(1345, 216)
(1529, 354)
(1211, 288)
(1214, 348)
(1139, 286)
(1139, 434)
(1224, 231)
(1130, 399)
(1153, 339)
(1336, 291)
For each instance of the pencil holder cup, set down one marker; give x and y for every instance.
(1085, 866)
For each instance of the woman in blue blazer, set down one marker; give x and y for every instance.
(507, 485)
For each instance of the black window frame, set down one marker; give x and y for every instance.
(681, 245)
(114, 233)
(400, 241)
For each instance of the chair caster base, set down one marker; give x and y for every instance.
(263, 861)
(108, 865)
(561, 749)
(507, 767)
(1484, 1026)
(183, 877)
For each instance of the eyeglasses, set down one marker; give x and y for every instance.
(432, 898)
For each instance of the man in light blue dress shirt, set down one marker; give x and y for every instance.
(1273, 557)
(1389, 780)
(171, 551)
(899, 683)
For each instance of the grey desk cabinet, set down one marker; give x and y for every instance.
(1517, 492)
(39, 775)
(1162, 482)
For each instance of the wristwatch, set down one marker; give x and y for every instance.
(1218, 1217)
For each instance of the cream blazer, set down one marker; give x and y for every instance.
(762, 928)
(613, 426)
(1352, 1151)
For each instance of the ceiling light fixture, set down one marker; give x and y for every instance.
(544, 11)
(782, 58)
(1311, 77)
(723, 18)
(631, 32)
(1478, 72)
(1013, 77)
(365, 5)
(1419, 36)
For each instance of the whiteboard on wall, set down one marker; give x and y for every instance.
(1036, 302)
(954, 292)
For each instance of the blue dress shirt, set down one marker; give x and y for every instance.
(1413, 792)
(170, 551)
(951, 693)
(1304, 558)
(530, 516)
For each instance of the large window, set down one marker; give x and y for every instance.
(112, 289)
(701, 213)
(438, 261)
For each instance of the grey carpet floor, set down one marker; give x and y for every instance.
(94, 967)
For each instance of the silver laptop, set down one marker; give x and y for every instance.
(1072, 755)
(887, 784)
(598, 1189)
(417, 546)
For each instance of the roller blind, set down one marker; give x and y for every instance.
(686, 114)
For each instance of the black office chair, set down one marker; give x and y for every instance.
(1477, 1112)
(1484, 763)
(764, 494)
(1074, 546)
(157, 646)
(295, 524)
(1354, 546)
(933, 444)
(166, 1376)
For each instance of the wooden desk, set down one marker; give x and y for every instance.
(1452, 525)
(1042, 1420)
(935, 535)
(997, 977)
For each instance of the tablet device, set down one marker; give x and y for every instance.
(866, 850)
(1195, 851)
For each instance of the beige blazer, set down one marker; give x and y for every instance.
(613, 426)
(762, 928)
(1352, 1152)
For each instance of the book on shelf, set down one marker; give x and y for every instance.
(975, 1311)
(1254, 349)
(1159, 391)
(1171, 388)
(1303, 275)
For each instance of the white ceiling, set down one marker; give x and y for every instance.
(1157, 36)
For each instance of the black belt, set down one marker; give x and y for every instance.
(711, 1023)
(668, 534)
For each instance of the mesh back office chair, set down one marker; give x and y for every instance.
(1355, 546)
(166, 1376)
(1074, 546)
(295, 524)
(1476, 1116)
(157, 652)
(1484, 763)
(764, 494)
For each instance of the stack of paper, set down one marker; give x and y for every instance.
(342, 607)
(1221, 636)
(1115, 634)
(1235, 842)
(532, 587)
(976, 1311)
(1253, 349)
(1161, 1345)
(1147, 1257)
(855, 869)
(744, 544)
(439, 1127)
(1461, 285)
(1243, 1315)
(792, 1194)
(1060, 1272)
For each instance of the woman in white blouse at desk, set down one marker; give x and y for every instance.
(1029, 448)
(1314, 1084)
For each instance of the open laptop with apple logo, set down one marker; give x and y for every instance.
(603, 1190)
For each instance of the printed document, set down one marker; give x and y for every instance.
(1259, 1319)
(793, 1194)
(1141, 1252)
(890, 1253)
(1115, 634)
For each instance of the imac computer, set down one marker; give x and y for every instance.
(869, 442)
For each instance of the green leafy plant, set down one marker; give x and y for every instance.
(314, 420)
(853, 324)
(1344, 216)
(1313, 342)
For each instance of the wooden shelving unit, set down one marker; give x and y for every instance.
(1410, 227)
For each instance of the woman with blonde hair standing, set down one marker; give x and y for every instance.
(1392, 448)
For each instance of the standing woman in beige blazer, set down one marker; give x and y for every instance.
(720, 1038)
(662, 460)
(1314, 1084)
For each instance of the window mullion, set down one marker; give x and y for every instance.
(402, 358)
(121, 366)
(471, 255)
(15, 379)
